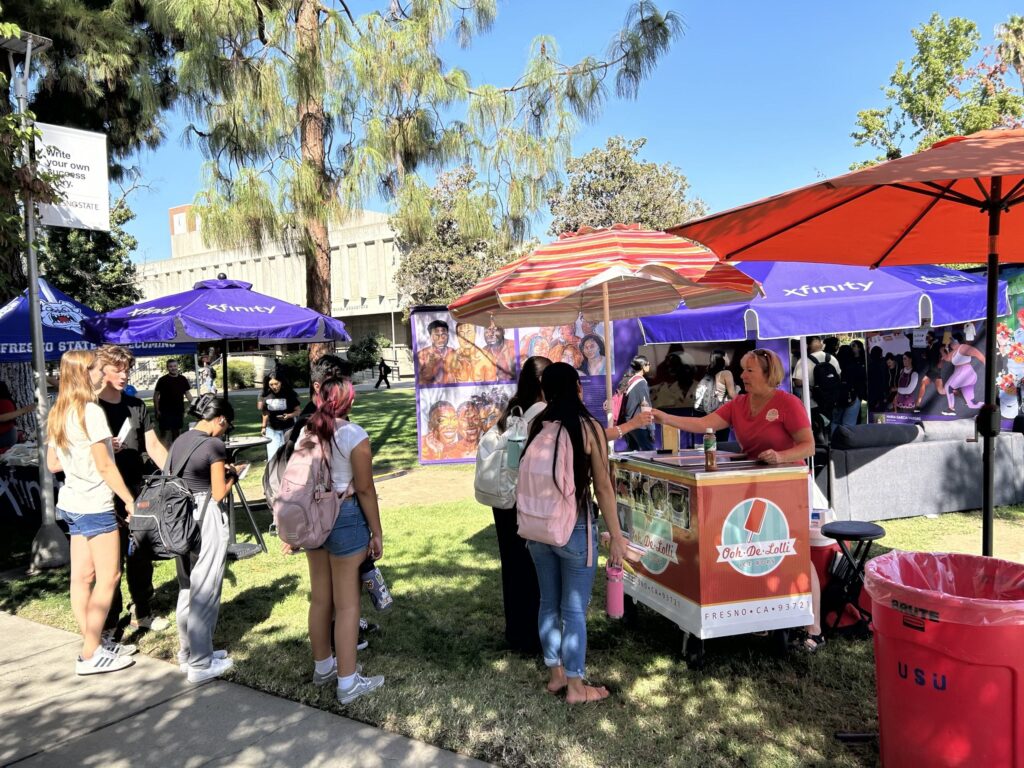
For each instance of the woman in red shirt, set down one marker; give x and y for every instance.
(771, 426)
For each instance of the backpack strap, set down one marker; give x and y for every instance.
(181, 471)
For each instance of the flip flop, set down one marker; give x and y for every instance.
(592, 696)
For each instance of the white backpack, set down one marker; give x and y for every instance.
(497, 468)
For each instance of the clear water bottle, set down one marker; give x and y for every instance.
(373, 582)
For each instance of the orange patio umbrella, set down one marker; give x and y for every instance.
(615, 273)
(944, 204)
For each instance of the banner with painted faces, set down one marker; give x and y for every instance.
(465, 374)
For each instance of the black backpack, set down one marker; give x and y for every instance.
(829, 390)
(164, 515)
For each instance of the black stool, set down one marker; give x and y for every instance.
(848, 571)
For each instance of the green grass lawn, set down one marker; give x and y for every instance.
(450, 683)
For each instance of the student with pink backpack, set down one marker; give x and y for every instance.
(334, 578)
(565, 454)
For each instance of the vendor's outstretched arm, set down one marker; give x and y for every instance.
(619, 431)
(692, 423)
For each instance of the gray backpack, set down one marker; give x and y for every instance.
(704, 397)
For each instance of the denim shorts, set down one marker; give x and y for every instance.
(89, 525)
(351, 534)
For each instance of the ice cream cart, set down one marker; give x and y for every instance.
(719, 553)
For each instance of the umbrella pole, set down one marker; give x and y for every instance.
(224, 369)
(609, 360)
(988, 418)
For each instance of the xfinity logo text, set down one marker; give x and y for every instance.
(232, 308)
(944, 280)
(152, 311)
(807, 290)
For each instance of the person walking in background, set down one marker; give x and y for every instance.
(280, 407)
(115, 364)
(565, 577)
(169, 398)
(334, 568)
(202, 458)
(79, 445)
(9, 414)
(206, 377)
(384, 370)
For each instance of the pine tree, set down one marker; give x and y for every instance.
(302, 110)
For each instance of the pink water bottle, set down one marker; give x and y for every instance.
(615, 593)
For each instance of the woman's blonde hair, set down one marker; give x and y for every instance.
(76, 390)
(770, 364)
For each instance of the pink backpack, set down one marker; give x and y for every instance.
(546, 501)
(306, 505)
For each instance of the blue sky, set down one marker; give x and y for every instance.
(755, 98)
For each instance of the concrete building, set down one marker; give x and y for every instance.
(363, 264)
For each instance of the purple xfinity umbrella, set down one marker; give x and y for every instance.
(215, 310)
(801, 299)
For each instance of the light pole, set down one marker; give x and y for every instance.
(50, 546)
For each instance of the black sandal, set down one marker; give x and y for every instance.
(810, 643)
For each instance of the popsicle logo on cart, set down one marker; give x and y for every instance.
(755, 538)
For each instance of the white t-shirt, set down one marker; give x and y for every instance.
(814, 359)
(346, 437)
(84, 492)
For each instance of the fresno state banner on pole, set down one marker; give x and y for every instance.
(80, 158)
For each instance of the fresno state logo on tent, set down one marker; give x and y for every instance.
(60, 314)
(755, 538)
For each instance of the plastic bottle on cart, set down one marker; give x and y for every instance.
(710, 449)
(615, 595)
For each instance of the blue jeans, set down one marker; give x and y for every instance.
(565, 586)
(277, 439)
(845, 417)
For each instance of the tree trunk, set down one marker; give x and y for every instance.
(12, 263)
(313, 133)
(21, 380)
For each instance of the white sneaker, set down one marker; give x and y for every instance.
(331, 674)
(362, 685)
(118, 649)
(102, 661)
(152, 623)
(183, 665)
(217, 668)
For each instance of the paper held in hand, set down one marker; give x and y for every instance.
(243, 470)
(126, 429)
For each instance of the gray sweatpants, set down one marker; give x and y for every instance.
(200, 577)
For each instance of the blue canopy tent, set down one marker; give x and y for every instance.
(802, 299)
(62, 319)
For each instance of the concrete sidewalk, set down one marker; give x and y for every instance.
(148, 715)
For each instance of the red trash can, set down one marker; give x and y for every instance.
(949, 659)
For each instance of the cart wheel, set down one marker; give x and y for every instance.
(693, 651)
(630, 614)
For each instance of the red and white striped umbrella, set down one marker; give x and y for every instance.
(617, 273)
(642, 272)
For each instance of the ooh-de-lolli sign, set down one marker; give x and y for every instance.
(80, 157)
